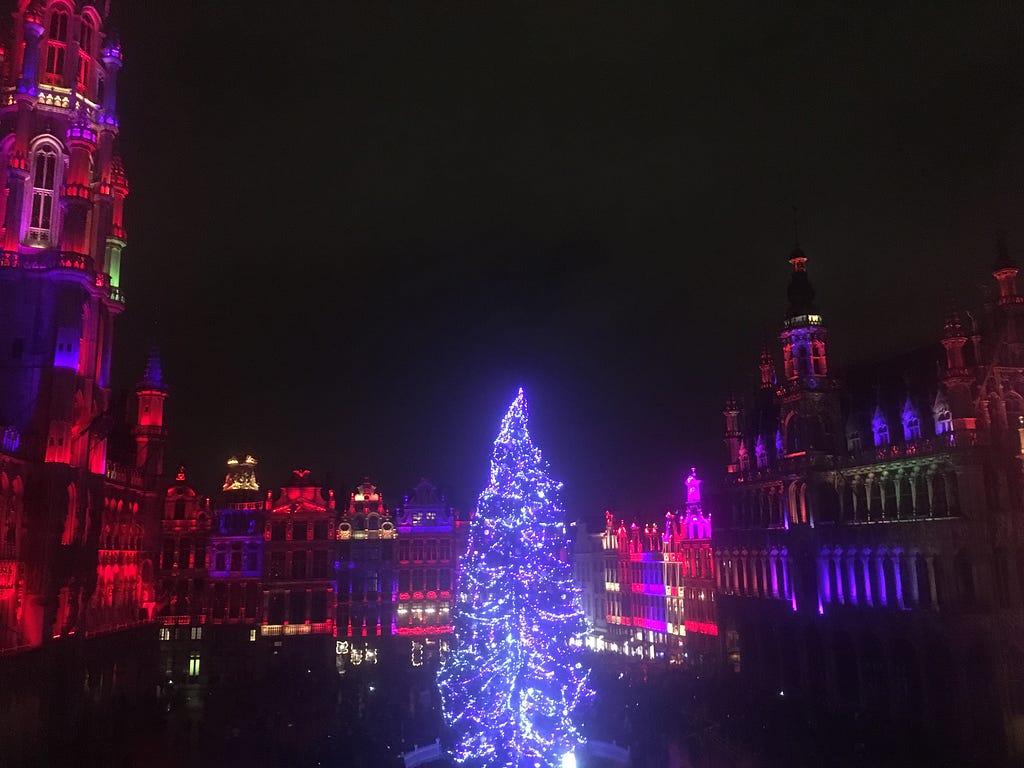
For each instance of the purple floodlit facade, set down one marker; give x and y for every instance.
(867, 562)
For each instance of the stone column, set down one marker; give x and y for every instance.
(883, 596)
(915, 596)
(932, 587)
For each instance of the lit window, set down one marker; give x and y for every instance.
(252, 635)
(165, 633)
(197, 633)
(193, 665)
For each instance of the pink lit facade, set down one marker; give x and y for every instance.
(659, 589)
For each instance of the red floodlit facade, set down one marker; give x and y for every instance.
(299, 579)
(78, 530)
(659, 591)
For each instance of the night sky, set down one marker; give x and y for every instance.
(356, 228)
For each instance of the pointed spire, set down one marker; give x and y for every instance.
(1005, 272)
(1003, 259)
(953, 325)
(153, 378)
(800, 293)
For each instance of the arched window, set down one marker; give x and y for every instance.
(85, 36)
(56, 48)
(761, 453)
(45, 176)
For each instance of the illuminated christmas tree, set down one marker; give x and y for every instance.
(516, 674)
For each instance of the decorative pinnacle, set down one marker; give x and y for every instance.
(953, 326)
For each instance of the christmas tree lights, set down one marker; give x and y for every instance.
(516, 674)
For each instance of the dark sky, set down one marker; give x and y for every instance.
(357, 228)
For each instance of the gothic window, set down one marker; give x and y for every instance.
(59, 26)
(85, 36)
(44, 185)
(84, 71)
(56, 48)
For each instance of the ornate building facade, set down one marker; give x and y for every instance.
(299, 582)
(427, 547)
(367, 587)
(79, 530)
(870, 559)
(659, 585)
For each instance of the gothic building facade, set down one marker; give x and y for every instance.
(870, 557)
(78, 529)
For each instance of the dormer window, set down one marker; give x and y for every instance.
(761, 453)
(744, 458)
(942, 415)
(911, 422)
(853, 444)
(880, 428)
